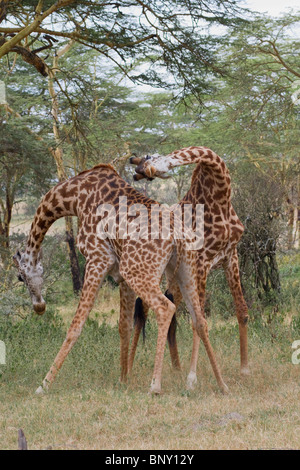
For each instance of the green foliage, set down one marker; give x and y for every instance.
(247, 116)
(172, 36)
(24, 164)
(32, 345)
(258, 201)
(289, 265)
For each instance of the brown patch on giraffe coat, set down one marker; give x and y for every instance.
(54, 201)
(219, 195)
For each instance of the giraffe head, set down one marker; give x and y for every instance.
(150, 167)
(31, 273)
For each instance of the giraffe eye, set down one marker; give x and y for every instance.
(20, 278)
(148, 157)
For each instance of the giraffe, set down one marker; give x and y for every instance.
(126, 259)
(222, 230)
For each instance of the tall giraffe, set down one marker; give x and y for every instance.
(127, 259)
(222, 231)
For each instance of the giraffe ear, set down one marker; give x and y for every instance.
(134, 160)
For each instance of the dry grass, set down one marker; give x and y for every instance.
(106, 307)
(87, 408)
(83, 412)
(115, 418)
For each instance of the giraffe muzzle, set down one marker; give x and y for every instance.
(138, 177)
(140, 174)
(39, 308)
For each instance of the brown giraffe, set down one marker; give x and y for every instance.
(137, 264)
(222, 231)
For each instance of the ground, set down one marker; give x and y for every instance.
(87, 408)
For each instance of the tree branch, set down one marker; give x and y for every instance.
(39, 18)
(276, 54)
(30, 57)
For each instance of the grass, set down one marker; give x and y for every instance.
(87, 408)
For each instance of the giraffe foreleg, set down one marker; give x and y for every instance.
(202, 330)
(94, 275)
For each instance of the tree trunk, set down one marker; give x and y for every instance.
(294, 216)
(5, 220)
(74, 264)
(58, 157)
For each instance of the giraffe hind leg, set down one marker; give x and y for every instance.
(175, 296)
(191, 298)
(164, 310)
(192, 376)
(233, 278)
(172, 336)
(140, 317)
(127, 303)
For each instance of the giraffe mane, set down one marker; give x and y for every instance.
(202, 165)
(96, 167)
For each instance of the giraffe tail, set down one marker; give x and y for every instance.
(139, 316)
(173, 324)
(140, 319)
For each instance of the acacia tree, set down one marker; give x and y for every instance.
(24, 167)
(171, 35)
(252, 122)
(162, 37)
(277, 44)
(263, 111)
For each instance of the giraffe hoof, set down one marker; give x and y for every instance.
(245, 371)
(155, 389)
(40, 391)
(154, 392)
(191, 381)
(224, 389)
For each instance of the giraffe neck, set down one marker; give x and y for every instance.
(203, 155)
(210, 180)
(52, 207)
